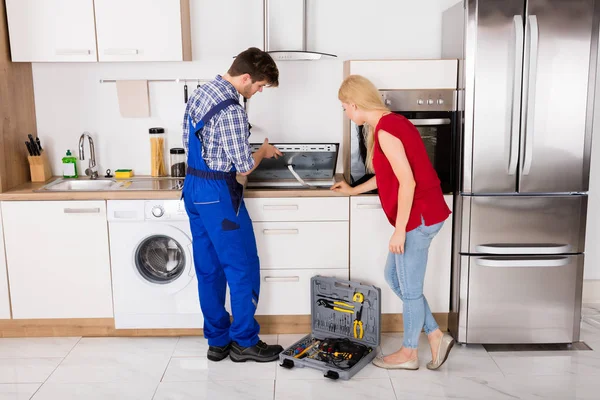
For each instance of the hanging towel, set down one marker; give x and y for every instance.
(133, 98)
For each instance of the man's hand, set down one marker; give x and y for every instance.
(270, 151)
(266, 150)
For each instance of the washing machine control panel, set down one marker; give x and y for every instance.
(165, 210)
(158, 211)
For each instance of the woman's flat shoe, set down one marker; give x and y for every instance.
(444, 348)
(411, 364)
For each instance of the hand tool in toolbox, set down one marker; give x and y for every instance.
(346, 329)
(358, 324)
(336, 305)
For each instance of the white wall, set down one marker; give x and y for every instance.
(69, 98)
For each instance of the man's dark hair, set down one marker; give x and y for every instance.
(258, 64)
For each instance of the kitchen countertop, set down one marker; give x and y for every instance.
(27, 191)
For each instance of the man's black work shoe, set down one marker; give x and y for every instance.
(260, 352)
(216, 353)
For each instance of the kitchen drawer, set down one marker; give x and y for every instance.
(298, 209)
(524, 224)
(285, 292)
(284, 245)
(524, 299)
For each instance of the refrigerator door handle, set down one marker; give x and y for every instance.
(513, 154)
(533, 60)
(531, 249)
(523, 263)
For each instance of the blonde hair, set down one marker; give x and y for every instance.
(357, 89)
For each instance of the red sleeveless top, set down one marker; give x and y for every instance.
(428, 201)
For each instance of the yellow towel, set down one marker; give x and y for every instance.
(133, 98)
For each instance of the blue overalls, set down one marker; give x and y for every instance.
(223, 243)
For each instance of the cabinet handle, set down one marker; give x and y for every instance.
(81, 210)
(280, 231)
(121, 52)
(73, 52)
(282, 279)
(291, 207)
(368, 206)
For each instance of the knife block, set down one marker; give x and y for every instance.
(39, 166)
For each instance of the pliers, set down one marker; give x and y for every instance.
(336, 305)
(358, 325)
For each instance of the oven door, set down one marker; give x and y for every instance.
(437, 131)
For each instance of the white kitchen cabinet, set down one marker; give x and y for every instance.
(51, 30)
(370, 233)
(298, 209)
(58, 259)
(4, 300)
(390, 74)
(298, 238)
(289, 245)
(142, 30)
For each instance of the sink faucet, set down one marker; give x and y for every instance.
(92, 170)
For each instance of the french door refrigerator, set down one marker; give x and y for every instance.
(528, 77)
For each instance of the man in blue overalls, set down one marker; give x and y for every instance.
(216, 133)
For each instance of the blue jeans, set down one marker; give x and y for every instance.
(405, 274)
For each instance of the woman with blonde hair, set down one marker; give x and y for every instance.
(411, 197)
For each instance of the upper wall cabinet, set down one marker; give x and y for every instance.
(125, 30)
(51, 30)
(142, 30)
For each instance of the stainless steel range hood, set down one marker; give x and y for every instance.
(289, 54)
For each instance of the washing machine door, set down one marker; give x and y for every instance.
(164, 257)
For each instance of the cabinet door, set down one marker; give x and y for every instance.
(139, 30)
(4, 302)
(51, 30)
(293, 245)
(287, 292)
(58, 259)
(370, 234)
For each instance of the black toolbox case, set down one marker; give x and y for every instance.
(332, 346)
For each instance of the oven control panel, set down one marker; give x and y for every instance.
(420, 100)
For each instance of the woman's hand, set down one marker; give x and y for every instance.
(343, 187)
(397, 242)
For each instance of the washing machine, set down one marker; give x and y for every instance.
(153, 276)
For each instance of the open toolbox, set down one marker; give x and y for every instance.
(346, 329)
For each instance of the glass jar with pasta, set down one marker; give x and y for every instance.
(157, 152)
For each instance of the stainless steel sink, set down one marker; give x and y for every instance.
(81, 185)
(153, 184)
(101, 185)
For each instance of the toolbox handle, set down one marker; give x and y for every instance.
(282, 279)
(280, 231)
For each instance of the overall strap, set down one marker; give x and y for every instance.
(212, 112)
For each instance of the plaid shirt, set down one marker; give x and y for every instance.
(225, 137)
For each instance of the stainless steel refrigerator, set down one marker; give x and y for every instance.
(527, 78)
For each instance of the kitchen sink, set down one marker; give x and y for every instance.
(99, 185)
(81, 185)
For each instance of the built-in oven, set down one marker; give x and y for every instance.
(434, 114)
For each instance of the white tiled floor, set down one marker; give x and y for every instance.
(177, 369)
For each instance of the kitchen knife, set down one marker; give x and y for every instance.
(39, 144)
(29, 148)
(33, 145)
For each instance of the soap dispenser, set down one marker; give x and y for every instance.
(69, 164)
